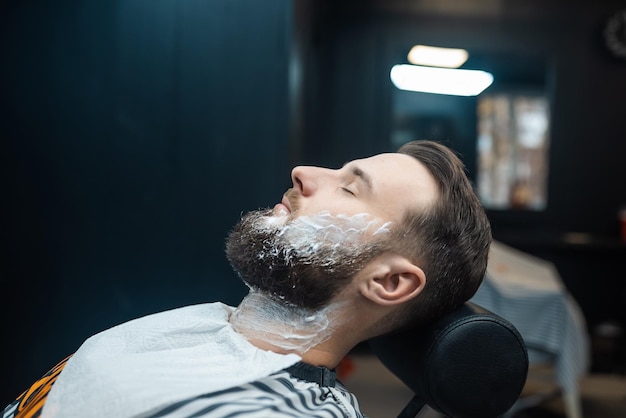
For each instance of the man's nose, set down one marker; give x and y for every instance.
(307, 179)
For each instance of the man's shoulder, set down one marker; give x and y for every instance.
(204, 317)
(217, 311)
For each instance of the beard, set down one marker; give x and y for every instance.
(304, 261)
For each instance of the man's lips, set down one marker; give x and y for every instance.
(285, 203)
(283, 208)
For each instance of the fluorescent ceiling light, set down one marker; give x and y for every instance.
(451, 81)
(437, 57)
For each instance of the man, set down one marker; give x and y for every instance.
(386, 242)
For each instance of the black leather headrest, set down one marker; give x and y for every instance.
(470, 364)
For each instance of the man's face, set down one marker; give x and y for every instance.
(384, 186)
(327, 227)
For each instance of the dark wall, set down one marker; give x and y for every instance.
(134, 133)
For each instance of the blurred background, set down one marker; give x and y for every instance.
(135, 132)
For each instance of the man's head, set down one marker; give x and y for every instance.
(383, 221)
(327, 227)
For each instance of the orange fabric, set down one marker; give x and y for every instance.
(32, 400)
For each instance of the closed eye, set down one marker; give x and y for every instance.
(345, 189)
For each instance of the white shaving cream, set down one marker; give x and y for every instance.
(286, 326)
(306, 235)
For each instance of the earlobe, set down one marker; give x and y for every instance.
(393, 280)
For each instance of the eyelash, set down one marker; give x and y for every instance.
(348, 191)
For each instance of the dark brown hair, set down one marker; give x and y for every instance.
(450, 240)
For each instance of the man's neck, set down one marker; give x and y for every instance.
(274, 326)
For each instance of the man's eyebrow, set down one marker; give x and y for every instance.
(358, 172)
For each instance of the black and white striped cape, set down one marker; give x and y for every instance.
(279, 395)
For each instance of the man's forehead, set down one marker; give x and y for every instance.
(384, 158)
(400, 177)
(382, 163)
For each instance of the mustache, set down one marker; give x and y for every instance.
(293, 197)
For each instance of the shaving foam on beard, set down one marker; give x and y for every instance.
(307, 235)
(287, 326)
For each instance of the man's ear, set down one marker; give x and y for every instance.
(391, 279)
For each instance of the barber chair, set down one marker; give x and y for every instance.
(470, 364)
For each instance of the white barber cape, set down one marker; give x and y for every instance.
(156, 360)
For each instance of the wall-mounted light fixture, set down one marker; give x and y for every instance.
(452, 81)
(437, 57)
(436, 70)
